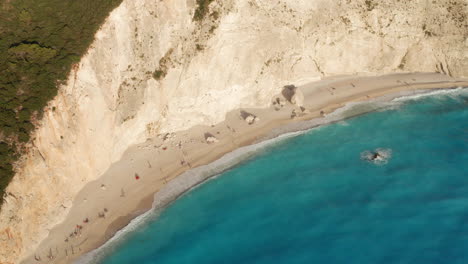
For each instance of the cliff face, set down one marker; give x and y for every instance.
(152, 69)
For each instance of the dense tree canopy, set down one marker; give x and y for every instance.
(39, 42)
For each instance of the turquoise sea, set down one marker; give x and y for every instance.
(312, 198)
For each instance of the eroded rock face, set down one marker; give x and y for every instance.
(153, 70)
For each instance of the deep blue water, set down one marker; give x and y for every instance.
(311, 199)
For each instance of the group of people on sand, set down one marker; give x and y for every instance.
(76, 233)
(77, 230)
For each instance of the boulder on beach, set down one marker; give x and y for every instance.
(293, 95)
(288, 92)
(249, 118)
(209, 138)
(298, 98)
(278, 103)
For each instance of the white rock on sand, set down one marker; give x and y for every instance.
(211, 139)
(251, 119)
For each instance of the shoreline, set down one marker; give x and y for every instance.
(257, 148)
(197, 155)
(245, 152)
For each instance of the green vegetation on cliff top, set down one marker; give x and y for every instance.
(39, 42)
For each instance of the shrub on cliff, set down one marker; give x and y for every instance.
(202, 9)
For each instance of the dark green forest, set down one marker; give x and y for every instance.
(40, 40)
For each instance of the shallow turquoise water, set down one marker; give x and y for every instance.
(311, 199)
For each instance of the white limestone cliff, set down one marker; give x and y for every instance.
(240, 55)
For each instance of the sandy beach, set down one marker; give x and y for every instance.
(152, 169)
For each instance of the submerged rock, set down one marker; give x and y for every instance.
(379, 156)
